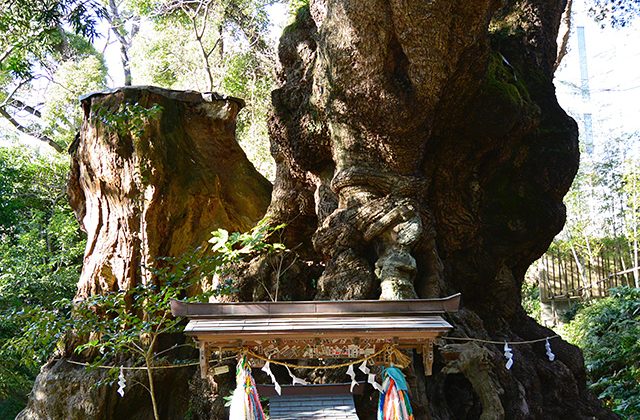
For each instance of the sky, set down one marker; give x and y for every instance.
(613, 67)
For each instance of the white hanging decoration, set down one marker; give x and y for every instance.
(295, 379)
(238, 408)
(509, 355)
(351, 373)
(371, 377)
(267, 369)
(372, 381)
(363, 368)
(550, 354)
(122, 382)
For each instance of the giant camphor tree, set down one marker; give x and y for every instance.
(420, 151)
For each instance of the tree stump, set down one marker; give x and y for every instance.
(153, 173)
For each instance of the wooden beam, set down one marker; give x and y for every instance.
(204, 359)
(427, 357)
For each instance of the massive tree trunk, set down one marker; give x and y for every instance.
(421, 151)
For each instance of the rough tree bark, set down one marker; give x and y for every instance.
(160, 192)
(421, 151)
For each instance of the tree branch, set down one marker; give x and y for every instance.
(29, 132)
(21, 106)
(117, 27)
(563, 49)
(6, 54)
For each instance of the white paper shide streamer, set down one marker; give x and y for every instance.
(295, 379)
(371, 377)
(508, 354)
(352, 374)
(122, 382)
(550, 354)
(267, 369)
(238, 408)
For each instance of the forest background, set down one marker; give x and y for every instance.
(54, 51)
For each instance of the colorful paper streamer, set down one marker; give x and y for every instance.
(394, 401)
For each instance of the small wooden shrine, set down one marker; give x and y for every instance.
(316, 329)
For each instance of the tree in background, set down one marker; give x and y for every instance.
(372, 178)
(203, 45)
(616, 13)
(34, 45)
(217, 46)
(603, 207)
(124, 23)
(41, 249)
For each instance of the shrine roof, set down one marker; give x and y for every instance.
(343, 308)
(415, 319)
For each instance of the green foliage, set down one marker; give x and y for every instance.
(615, 13)
(61, 114)
(166, 56)
(41, 250)
(603, 210)
(130, 321)
(123, 327)
(296, 5)
(227, 53)
(608, 331)
(46, 52)
(231, 248)
(32, 31)
(128, 119)
(531, 300)
(245, 78)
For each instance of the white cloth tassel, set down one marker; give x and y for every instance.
(509, 355)
(550, 354)
(372, 380)
(351, 373)
(267, 369)
(237, 409)
(363, 368)
(122, 382)
(295, 379)
(371, 377)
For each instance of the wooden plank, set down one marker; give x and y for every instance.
(204, 359)
(319, 325)
(319, 321)
(312, 331)
(217, 338)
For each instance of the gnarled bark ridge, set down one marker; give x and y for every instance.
(421, 151)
